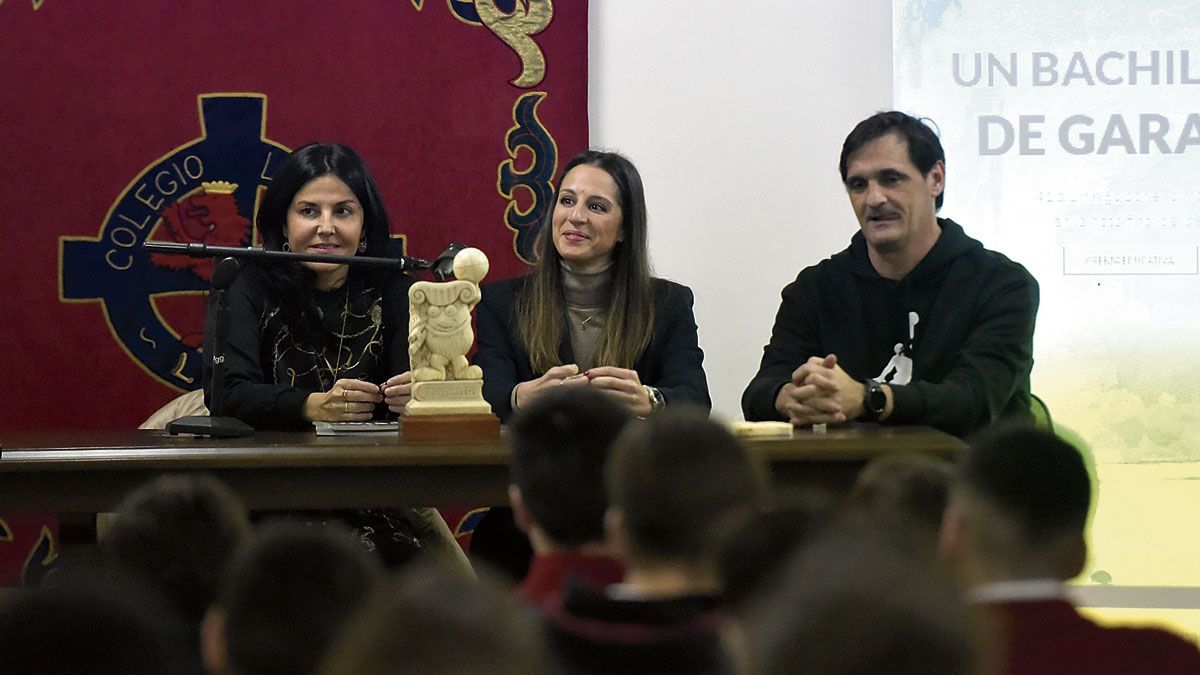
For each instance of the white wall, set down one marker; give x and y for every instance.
(735, 113)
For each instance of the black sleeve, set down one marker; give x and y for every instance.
(495, 351)
(995, 360)
(793, 341)
(247, 394)
(680, 371)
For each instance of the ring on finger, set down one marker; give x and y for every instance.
(347, 406)
(345, 394)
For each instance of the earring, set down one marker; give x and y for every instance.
(285, 246)
(362, 246)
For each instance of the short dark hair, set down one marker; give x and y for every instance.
(752, 558)
(924, 148)
(174, 536)
(854, 601)
(560, 443)
(290, 589)
(682, 483)
(100, 628)
(1033, 477)
(432, 621)
(904, 489)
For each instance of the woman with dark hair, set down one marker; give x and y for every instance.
(317, 341)
(588, 313)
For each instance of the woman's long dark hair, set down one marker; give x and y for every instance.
(629, 317)
(291, 285)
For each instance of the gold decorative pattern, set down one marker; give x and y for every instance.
(179, 367)
(219, 187)
(515, 30)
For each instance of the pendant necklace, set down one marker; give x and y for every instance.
(341, 339)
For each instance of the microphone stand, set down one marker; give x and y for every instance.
(226, 271)
(216, 426)
(198, 250)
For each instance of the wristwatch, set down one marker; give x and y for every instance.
(656, 398)
(874, 401)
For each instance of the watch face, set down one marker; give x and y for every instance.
(876, 398)
(656, 397)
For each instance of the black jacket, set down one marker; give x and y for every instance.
(268, 374)
(673, 362)
(973, 347)
(588, 632)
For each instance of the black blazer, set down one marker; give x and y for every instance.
(673, 361)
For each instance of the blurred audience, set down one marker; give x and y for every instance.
(1014, 532)
(174, 536)
(906, 494)
(858, 601)
(655, 553)
(557, 491)
(755, 554)
(434, 621)
(679, 485)
(290, 587)
(98, 628)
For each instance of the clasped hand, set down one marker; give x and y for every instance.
(621, 383)
(355, 400)
(820, 392)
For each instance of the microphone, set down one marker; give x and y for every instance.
(443, 265)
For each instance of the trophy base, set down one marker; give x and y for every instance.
(454, 397)
(450, 428)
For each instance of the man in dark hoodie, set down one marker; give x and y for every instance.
(915, 322)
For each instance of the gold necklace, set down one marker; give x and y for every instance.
(584, 322)
(341, 339)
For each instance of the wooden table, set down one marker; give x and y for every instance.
(75, 472)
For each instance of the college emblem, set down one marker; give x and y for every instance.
(203, 191)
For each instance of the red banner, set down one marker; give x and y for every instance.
(125, 121)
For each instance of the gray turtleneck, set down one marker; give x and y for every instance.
(587, 295)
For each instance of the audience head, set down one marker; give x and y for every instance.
(906, 492)
(289, 589)
(924, 148)
(432, 621)
(560, 443)
(679, 484)
(174, 535)
(101, 629)
(308, 163)
(754, 554)
(854, 602)
(1019, 507)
